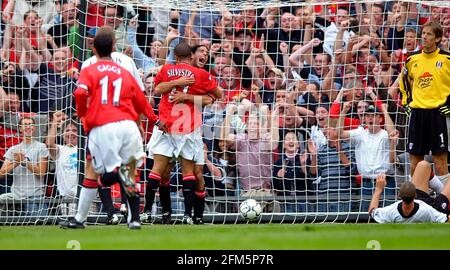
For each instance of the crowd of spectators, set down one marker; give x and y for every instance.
(310, 112)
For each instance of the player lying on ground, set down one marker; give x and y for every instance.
(416, 204)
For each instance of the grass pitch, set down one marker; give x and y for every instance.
(231, 237)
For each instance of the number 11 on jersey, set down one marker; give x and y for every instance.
(117, 84)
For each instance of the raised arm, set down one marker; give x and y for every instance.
(42, 41)
(296, 58)
(7, 40)
(58, 117)
(393, 89)
(27, 49)
(226, 134)
(347, 58)
(190, 36)
(273, 117)
(171, 35)
(399, 19)
(388, 123)
(340, 126)
(267, 59)
(312, 149)
(284, 49)
(359, 11)
(362, 41)
(251, 64)
(141, 59)
(9, 11)
(380, 184)
(308, 37)
(328, 87)
(339, 41)
(393, 138)
(308, 25)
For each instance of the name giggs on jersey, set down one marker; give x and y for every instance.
(180, 73)
(103, 68)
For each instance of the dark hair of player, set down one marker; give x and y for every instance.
(196, 47)
(182, 50)
(104, 41)
(407, 192)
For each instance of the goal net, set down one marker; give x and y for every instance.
(310, 114)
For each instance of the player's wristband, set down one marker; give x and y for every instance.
(157, 122)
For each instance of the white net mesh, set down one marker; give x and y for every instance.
(285, 68)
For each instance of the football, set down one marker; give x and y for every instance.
(250, 209)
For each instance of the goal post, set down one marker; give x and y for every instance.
(311, 111)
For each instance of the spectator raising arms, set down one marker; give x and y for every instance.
(374, 149)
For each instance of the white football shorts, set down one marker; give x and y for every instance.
(189, 146)
(115, 144)
(160, 143)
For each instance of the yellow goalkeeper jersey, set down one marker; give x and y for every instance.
(425, 79)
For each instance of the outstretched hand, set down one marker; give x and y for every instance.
(284, 48)
(59, 117)
(172, 33)
(381, 181)
(133, 22)
(346, 107)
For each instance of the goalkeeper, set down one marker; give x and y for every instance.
(425, 88)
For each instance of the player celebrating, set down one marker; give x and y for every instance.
(183, 120)
(115, 102)
(199, 59)
(425, 87)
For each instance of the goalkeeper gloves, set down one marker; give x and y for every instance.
(407, 110)
(445, 110)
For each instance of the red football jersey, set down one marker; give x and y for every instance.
(8, 138)
(183, 118)
(113, 95)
